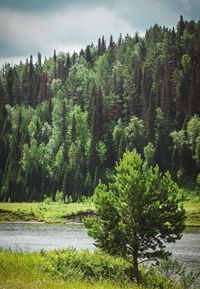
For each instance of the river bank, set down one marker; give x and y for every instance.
(33, 257)
(45, 212)
(74, 212)
(68, 269)
(35, 270)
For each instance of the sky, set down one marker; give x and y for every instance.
(29, 26)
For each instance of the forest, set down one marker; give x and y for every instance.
(66, 120)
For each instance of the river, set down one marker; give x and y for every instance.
(34, 237)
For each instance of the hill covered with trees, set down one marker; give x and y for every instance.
(66, 120)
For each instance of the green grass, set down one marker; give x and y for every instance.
(193, 213)
(60, 213)
(53, 212)
(58, 270)
(24, 271)
(191, 202)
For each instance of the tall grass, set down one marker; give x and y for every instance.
(26, 271)
(71, 269)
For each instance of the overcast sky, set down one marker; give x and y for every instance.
(29, 26)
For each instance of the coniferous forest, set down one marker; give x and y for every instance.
(66, 120)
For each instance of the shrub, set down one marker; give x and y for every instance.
(59, 198)
(68, 199)
(198, 180)
(47, 200)
(170, 274)
(71, 263)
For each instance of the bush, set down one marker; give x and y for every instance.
(198, 180)
(169, 274)
(68, 199)
(47, 200)
(83, 264)
(59, 198)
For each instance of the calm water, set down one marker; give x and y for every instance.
(34, 237)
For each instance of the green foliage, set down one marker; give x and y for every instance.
(71, 269)
(169, 274)
(193, 130)
(176, 273)
(135, 134)
(149, 154)
(46, 211)
(119, 138)
(198, 179)
(65, 121)
(34, 270)
(47, 200)
(70, 264)
(192, 208)
(186, 62)
(197, 150)
(103, 79)
(68, 199)
(101, 150)
(59, 197)
(186, 145)
(179, 139)
(137, 212)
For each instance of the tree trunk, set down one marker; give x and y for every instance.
(135, 267)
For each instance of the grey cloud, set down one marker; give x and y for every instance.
(34, 5)
(61, 30)
(189, 7)
(50, 5)
(146, 13)
(28, 26)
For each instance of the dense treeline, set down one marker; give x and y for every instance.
(65, 121)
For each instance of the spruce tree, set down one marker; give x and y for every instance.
(54, 65)
(10, 84)
(88, 56)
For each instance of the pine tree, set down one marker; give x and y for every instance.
(137, 213)
(10, 84)
(111, 51)
(93, 159)
(54, 65)
(39, 60)
(67, 65)
(25, 82)
(97, 121)
(99, 47)
(103, 45)
(73, 130)
(120, 39)
(82, 54)
(180, 27)
(88, 56)
(43, 92)
(31, 84)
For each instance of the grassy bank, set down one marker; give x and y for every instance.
(192, 208)
(34, 270)
(59, 212)
(191, 202)
(70, 269)
(42, 212)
